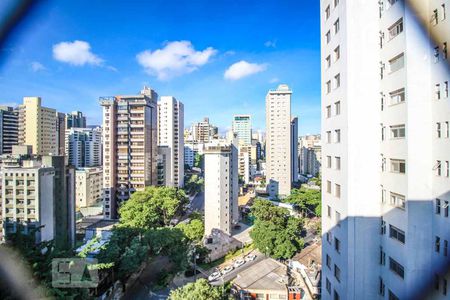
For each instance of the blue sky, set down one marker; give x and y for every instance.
(72, 52)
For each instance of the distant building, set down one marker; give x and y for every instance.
(129, 146)
(221, 187)
(170, 134)
(294, 149)
(242, 127)
(84, 147)
(37, 127)
(89, 184)
(244, 164)
(75, 119)
(204, 132)
(310, 153)
(164, 165)
(279, 142)
(61, 133)
(9, 127)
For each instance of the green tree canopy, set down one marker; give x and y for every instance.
(193, 230)
(308, 200)
(151, 208)
(275, 232)
(199, 290)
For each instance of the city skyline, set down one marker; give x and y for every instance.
(56, 69)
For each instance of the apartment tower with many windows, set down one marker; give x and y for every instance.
(386, 149)
(130, 146)
(171, 134)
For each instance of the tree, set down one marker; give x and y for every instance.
(307, 200)
(198, 160)
(151, 208)
(275, 232)
(193, 230)
(199, 290)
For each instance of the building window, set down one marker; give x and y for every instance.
(328, 37)
(336, 3)
(444, 50)
(446, 89)
(438, 168)
(392, 296)
(328, 161)
(396, 234)
(336, 295)
(337, 162)
(445, 206)
(383, 195)
(398, 200)
(338, 218)
(329, 237)
(328, 87)
(337, 108)
(381, 286)
(328, 186)
(337, 190)
(328, 261)
(445, 250)
(437, 244)
(336, 26)
(337, 273)
(382, 257)
(397, 96)
(328, 111)
(328, 285)
(337, 81)
(396, 29)
(436, 54)
(327, 12)
(328, 137)
(398, 166)
(436, 282)
(437, 91)
(396, 267)
(398, 131)
(444, 286)
(328, 62)
(337, 53)
(383, 227)
(438, 130)
(329, 211)
(383, 129)
(338, 135)
(337, 245)
(438, 206)
(396, 63)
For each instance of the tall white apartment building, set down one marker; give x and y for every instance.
(84, 147)
(310, 154)
(171, 134)
(37, 127)
(242, 126)
(129, 146)
(386, 149)
(221, 187)
(279, 142)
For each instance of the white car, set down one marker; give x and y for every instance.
(227, 270)
(239, 263)
(214, 276)
(250, 257)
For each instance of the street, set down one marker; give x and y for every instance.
(198, 203)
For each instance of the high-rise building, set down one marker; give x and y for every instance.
(129, 146)
(61, 133)
(75, 119)
(9, 126)
(221, 187)
(278, 147)
(386, 149)
(164, 165)
(89, 185)
(84, 147)
(171, 134)
(204, 132)
(244, 162)
(310, 154)
(294, 149)
(37, 127)
(242, 126)
(40, 193)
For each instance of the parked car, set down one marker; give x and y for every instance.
(239, 263)
(227, 270)
(214, 276)
(250, 257)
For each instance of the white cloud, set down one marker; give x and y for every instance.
(274, 80)
(174, 59)
(77, 53)
(271, 44)
(242, 69)
(37, 66)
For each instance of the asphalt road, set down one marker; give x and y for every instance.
(230, 276)
(198, 203)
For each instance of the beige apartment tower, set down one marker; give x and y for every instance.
(129, 147)
(278, 146)
(37, 127)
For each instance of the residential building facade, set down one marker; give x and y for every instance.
(84, 147)
(88, 186)
(9, 127)
(242, 126)
(310, 154)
